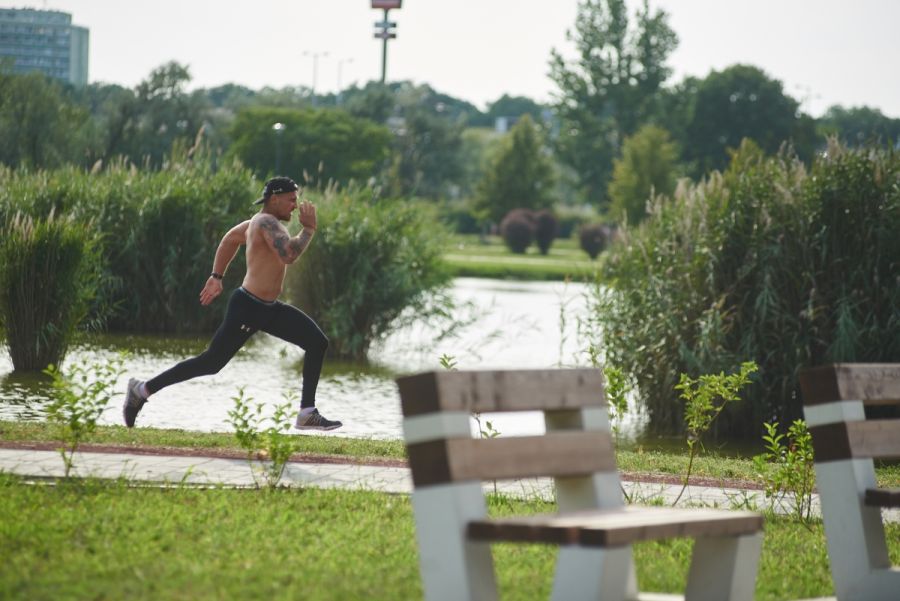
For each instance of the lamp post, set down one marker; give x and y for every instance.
(340, 91)
(385, 30)
(315, 56)
(278, 128)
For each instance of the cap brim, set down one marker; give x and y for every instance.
(259, 201)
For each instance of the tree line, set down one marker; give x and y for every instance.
(618, 132)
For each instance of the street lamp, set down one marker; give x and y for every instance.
(278, 128)
(340, 92)
(315, 56)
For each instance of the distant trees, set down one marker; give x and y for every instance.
(519, 174)
(860, 125)
(736, 103)
(324, 144)
(647, 167)
(611, 88)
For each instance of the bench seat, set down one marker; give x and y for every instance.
(883, 497)
(615, 527)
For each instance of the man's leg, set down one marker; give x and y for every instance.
(294, 326)
(227, 341)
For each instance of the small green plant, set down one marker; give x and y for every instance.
(705, 398)
(448, 362)
(786, 468)
(81, 393)
(616, 389)
(272, 443)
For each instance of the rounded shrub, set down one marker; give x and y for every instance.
(517, 230)
(593, 238)
(373, 265)
(545, 228)
(48, 275)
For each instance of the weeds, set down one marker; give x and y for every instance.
(81, 395)
(793, 473)
(705, 398)
(270, 444)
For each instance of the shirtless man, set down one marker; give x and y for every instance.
(253, 306)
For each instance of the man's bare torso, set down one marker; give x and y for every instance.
(265, 270)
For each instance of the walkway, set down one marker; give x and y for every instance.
(165, 469)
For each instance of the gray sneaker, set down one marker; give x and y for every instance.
(134, 402)
(315, 421)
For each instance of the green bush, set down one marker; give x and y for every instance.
(372, 263)
(766, 262)
(159, 231)
(48, 274)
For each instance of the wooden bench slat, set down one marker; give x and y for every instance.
(871, 383)
(553, 454)
(875, 439)
(883, 497)
(616, 527)
(511, 390)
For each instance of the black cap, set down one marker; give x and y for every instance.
(276, 185)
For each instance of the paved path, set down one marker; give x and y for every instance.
(166, 469)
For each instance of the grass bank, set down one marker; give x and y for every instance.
(87, 539)
(470, 256)
(639, 462)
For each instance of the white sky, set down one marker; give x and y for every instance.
(824, 51)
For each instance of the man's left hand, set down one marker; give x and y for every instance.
(211, 290)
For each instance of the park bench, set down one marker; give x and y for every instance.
(845, 443)
(593, 527)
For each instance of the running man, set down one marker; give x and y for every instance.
(253, 306)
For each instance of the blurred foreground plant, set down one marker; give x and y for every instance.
(273, 443)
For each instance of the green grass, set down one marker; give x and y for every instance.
(358, 448)
(666, 463)
(92, 540)
(468, 256)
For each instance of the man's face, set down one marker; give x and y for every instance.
(282, 205)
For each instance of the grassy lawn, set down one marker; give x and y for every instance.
(667, 463)
(92, 540)
(468, 256)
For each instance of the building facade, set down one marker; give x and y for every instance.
(45, 41)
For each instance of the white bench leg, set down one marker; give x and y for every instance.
(724, 568)
(592, 574)
(451, 566)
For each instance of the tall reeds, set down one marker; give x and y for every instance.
(372, 264)
(770, 262)
(48, 275)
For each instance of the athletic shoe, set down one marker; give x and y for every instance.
(315, 421)
(134, 402)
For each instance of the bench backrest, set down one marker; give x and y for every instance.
(577, 441)
(842, 432)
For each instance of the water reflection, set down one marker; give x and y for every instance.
(510, 325)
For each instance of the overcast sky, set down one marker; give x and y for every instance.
(824, 51)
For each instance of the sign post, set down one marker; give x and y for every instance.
(385, 30)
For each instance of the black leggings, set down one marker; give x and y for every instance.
(245, 315)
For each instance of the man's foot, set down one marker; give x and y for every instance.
(134, 402)
(315, 421)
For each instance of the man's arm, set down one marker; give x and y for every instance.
(289, 249)
(226, 251)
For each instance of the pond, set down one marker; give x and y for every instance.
(509, 325)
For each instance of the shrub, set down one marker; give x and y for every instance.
(768, 261)
(594, 238)
(373, 265)
(159, 234)
(645, 169)
(545, 227)
(48, 274)
(517, 230)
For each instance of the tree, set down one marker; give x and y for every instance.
(40, 127)
(325, 144)
(736, 103)
(507, 106)
(611, 88)
(519, 175)
(860, 125)
(647, 167)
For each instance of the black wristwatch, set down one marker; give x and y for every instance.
(218, 276)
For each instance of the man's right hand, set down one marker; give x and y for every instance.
(211, 290)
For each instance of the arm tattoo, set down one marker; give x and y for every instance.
(289, 249)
